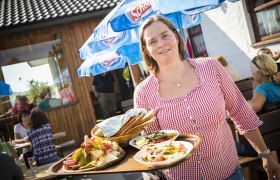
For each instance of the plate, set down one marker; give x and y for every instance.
(166, 163)
(96, 167)
(132, 141)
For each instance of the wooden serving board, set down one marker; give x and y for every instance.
(128, 164)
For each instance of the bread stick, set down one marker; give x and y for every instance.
(147, 117)
(133, 124)
(130, 125)
(125, 126)
(93, 130)
(141, 126)
(99, 132)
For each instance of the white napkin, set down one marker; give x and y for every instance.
(112, 125)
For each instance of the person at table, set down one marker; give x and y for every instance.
(40, 135)
(45, 96)
(192, 96)
(264, 72)
(234, 75)
(67, 94)
(9, 169)
(265, 50)
(21, 129)
(21, 104)
(47, 101)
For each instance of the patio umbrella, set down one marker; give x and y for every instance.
(5, 89)
(115, 40)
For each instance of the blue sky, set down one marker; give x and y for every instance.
(18, 75)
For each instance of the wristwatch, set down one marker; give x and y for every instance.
(267, 151)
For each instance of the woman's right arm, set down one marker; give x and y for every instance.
(18, 139)
(257, 101)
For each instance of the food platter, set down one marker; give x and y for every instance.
(128, 164)
(167, 160)
(122, 155)
(155, 137)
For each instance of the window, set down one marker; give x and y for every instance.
(30, 68)
(265, 16)
(197, 41)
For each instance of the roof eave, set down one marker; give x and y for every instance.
(54, 22)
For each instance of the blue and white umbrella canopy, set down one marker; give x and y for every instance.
(115, 40)
(5, 89)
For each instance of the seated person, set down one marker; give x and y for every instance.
(21, 129)
(45, 95)
(40, 135)
(66, 94)
(46, 100)
(20, 104)
(8, 168)
(234, 75)
(264, 72)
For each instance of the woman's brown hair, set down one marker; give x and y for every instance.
(151, 63)
(37, 119)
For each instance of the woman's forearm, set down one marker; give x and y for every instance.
(255, 139)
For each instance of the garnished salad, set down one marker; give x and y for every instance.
(93, 152)
(154, 138)
(164, 152)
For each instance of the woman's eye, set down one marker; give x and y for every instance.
(151, 42)
(165, 36)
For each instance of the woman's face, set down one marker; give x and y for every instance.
(161, 43)
(25, 119)
(255, 73)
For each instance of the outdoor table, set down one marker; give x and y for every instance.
(22, 145)
(128, 164)
(28, 144)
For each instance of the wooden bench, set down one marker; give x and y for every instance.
(63, 146)
(246, 87)
(270, 130)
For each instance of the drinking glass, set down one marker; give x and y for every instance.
(33, 165)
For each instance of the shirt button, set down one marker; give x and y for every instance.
(185, 99)
(188, 107)
(190, 117)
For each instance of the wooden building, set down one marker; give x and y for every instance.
(53, 32)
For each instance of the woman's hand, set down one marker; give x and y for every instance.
(26, 139)
(271, 167)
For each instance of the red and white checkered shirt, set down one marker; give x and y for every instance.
(202, 111)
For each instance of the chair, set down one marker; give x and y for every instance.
(127, 104)
(270, 130)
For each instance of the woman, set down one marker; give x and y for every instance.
(21, 129)
(67, 94)
(45, 96)
(192, 96)
(21, 104)
(40, 136)
(264, 72)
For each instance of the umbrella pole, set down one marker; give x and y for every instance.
(131, 74)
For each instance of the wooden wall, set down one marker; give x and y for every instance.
(78, 118)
